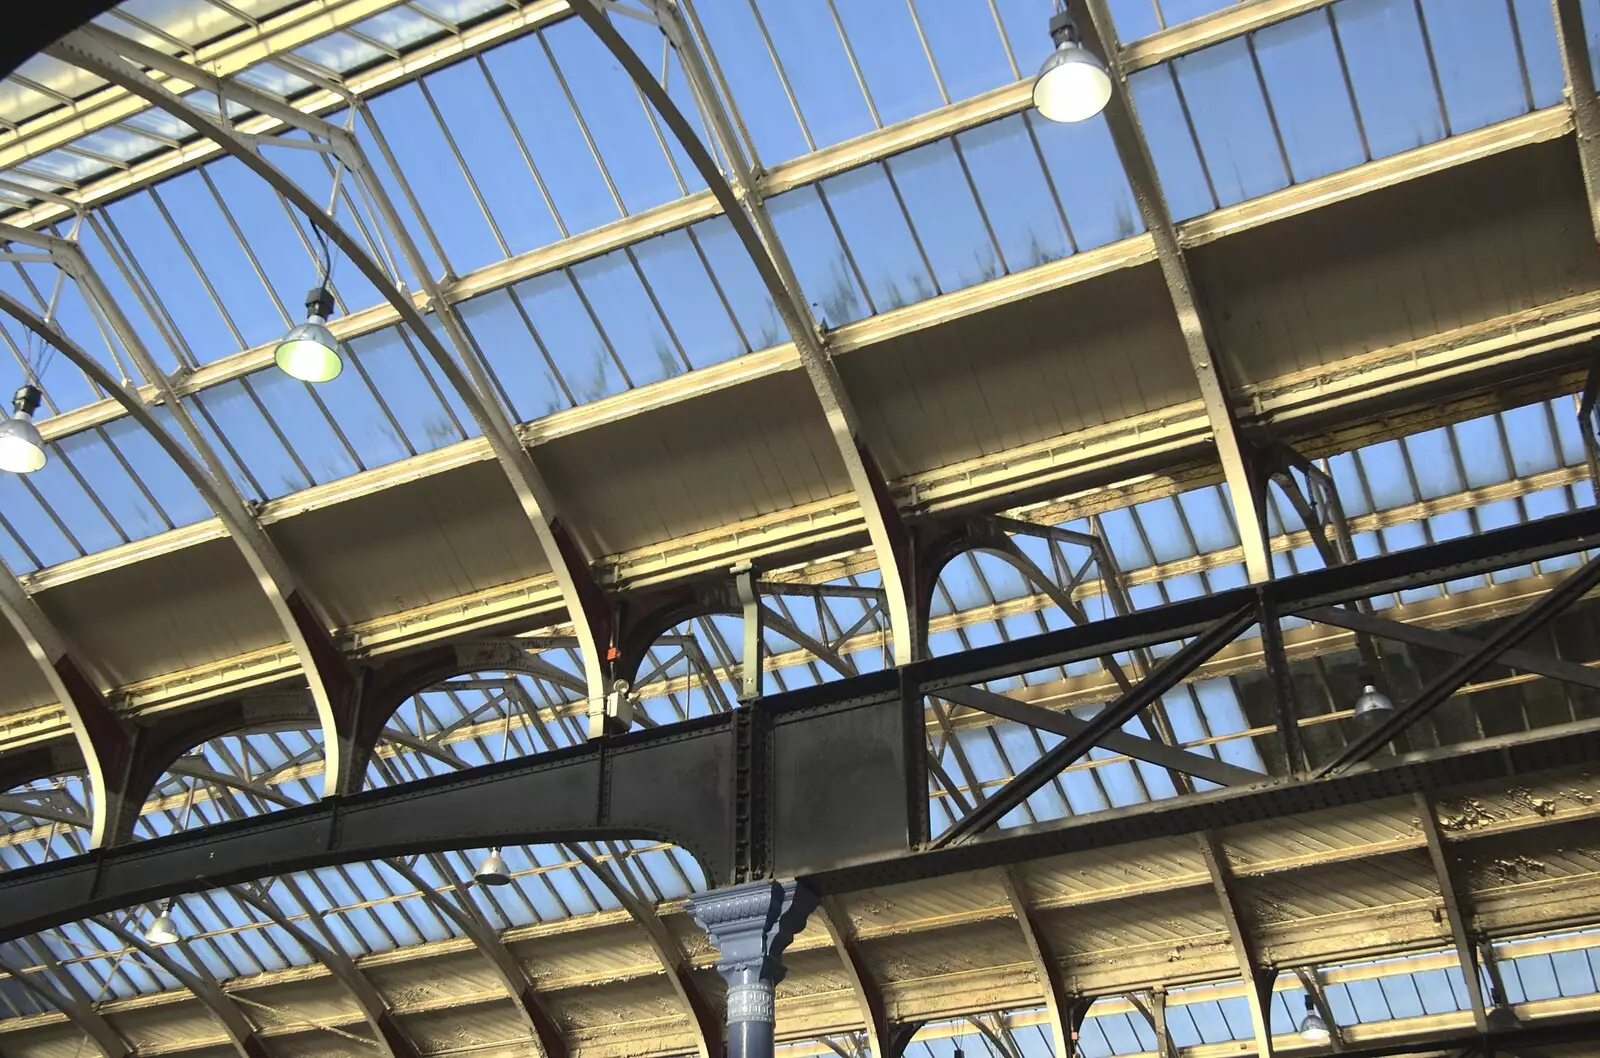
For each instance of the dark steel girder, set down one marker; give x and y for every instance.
(677, 783)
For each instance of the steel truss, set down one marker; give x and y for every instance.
(883, 715)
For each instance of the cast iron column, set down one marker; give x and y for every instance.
(751, 924)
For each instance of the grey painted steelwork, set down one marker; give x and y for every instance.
(707, 784)
(751, 925)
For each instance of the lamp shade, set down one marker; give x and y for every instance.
(1373, 700)
(1313, 1029)
(310, 353)
(1073, 84)
(163, 930)
(21, 447)
(493, 870)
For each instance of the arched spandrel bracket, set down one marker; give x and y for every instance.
(105, 741)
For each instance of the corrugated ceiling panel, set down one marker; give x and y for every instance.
(1444, 251)
(445, 536)
(687, 467)
(1054, 364)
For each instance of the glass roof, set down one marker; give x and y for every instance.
(211, 263)
(520, 148)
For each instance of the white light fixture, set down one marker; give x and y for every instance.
(22, 450)
(163, 930)
(1312, 1028)
(1073, 84)
(1372, 700)
(493, 871)
(310, 352)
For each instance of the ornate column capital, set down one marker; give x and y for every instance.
(752, 924)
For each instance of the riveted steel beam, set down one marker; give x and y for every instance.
(1216, 389)
(740, 197)
(102, 53)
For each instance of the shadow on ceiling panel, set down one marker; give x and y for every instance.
(1354, 906)
(1493, 237)
(185, 608)
(23, 686)
(1057, 363)
(755, 449)
(441, 537)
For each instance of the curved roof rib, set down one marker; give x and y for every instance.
(741, 200)
(97, 51)
(332, 683)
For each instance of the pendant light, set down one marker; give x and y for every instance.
(310, 352)
(1073, 84)
(22, 449)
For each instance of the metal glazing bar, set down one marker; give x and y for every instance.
(544, 1032)
(1199, 765)
(704, 1023)
(588, 608)
(241, 1033)
(76, 1008)
(372, 1005)
(332, 681)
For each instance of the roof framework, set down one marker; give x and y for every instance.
(901, 213)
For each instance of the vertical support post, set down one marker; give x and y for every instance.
(1283, 691)
(753, 667)
(1580, 93)
(751, 925)
(1258, 979)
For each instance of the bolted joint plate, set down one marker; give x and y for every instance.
(752, 924)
